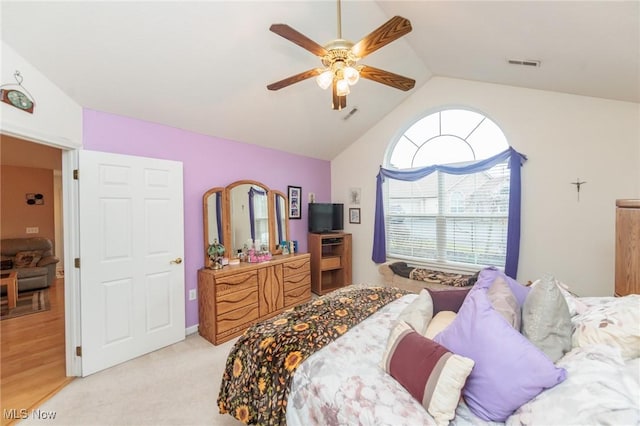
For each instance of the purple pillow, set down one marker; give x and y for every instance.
(448, 300)
(488, 275)
(509, 370)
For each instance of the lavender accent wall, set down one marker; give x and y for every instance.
(208, 162)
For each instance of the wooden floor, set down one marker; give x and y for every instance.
(32, 353)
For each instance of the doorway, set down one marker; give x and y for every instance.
(33, 346)
(71, 236)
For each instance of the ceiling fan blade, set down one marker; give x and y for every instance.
(300, 39)
(391, 30)
(338, 102)
(294, 79)
(385, 77)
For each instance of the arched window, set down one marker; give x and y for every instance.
(449, 219)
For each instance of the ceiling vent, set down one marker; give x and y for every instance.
(350, 114)
(524, 62)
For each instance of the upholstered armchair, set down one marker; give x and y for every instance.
(32, 259)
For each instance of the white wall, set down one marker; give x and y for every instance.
(564, 137)
(56, 119)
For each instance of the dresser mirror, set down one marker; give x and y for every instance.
(213, 216)
(244, 210)
(249, 214)
(281, 217)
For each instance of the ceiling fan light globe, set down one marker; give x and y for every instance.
(351, 75)
(325, 79)
(342, 88)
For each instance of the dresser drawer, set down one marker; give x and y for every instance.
(296, 266)
(297, 295)
(303, 278)
(236, 318)
(237, 299)
(236, 282)
(297, 288)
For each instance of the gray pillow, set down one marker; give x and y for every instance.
(546, 321)
(419, 313)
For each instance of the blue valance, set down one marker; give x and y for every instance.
(516, 160)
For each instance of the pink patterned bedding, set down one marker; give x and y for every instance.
(343, 384)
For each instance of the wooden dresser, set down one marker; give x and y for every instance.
(627, 247)
(235, 297)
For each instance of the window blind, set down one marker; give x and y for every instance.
(450, 217)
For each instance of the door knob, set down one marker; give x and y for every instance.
(177, 260)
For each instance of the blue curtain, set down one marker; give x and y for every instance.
(516, 160)
(252, 193)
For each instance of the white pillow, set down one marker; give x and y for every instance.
(439, 322)
(419, 312)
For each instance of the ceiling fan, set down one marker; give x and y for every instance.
(340, 59)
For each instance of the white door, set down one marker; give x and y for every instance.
(131, 245)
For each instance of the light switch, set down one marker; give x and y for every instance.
(33, 230)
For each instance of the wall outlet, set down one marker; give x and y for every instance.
(33, 230)
(312, 197)
(192, 294)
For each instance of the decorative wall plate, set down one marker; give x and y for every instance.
(17, 99)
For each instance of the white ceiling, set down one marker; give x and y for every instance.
(204, 65)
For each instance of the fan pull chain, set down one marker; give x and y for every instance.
(339, 21)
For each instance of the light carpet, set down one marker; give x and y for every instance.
(177, 385)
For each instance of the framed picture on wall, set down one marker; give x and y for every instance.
(354, 195)
(354, 215)
(295, 197)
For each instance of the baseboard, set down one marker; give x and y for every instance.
(191, 330)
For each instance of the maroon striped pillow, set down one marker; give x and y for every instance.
(428, 371)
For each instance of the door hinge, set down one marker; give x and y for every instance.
(78, 350)
(75, 174)
(76, 262)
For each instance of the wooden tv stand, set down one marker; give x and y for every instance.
(330, 261)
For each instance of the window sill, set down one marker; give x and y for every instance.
(458, 268)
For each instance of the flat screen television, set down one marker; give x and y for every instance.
(326, 217)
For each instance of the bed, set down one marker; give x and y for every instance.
(360, 356)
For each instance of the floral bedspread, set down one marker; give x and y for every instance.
(256, 382)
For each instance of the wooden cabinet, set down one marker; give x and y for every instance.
(330, 261)
(235, 297)
(627, 247)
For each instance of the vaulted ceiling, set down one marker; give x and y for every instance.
(204, 65)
